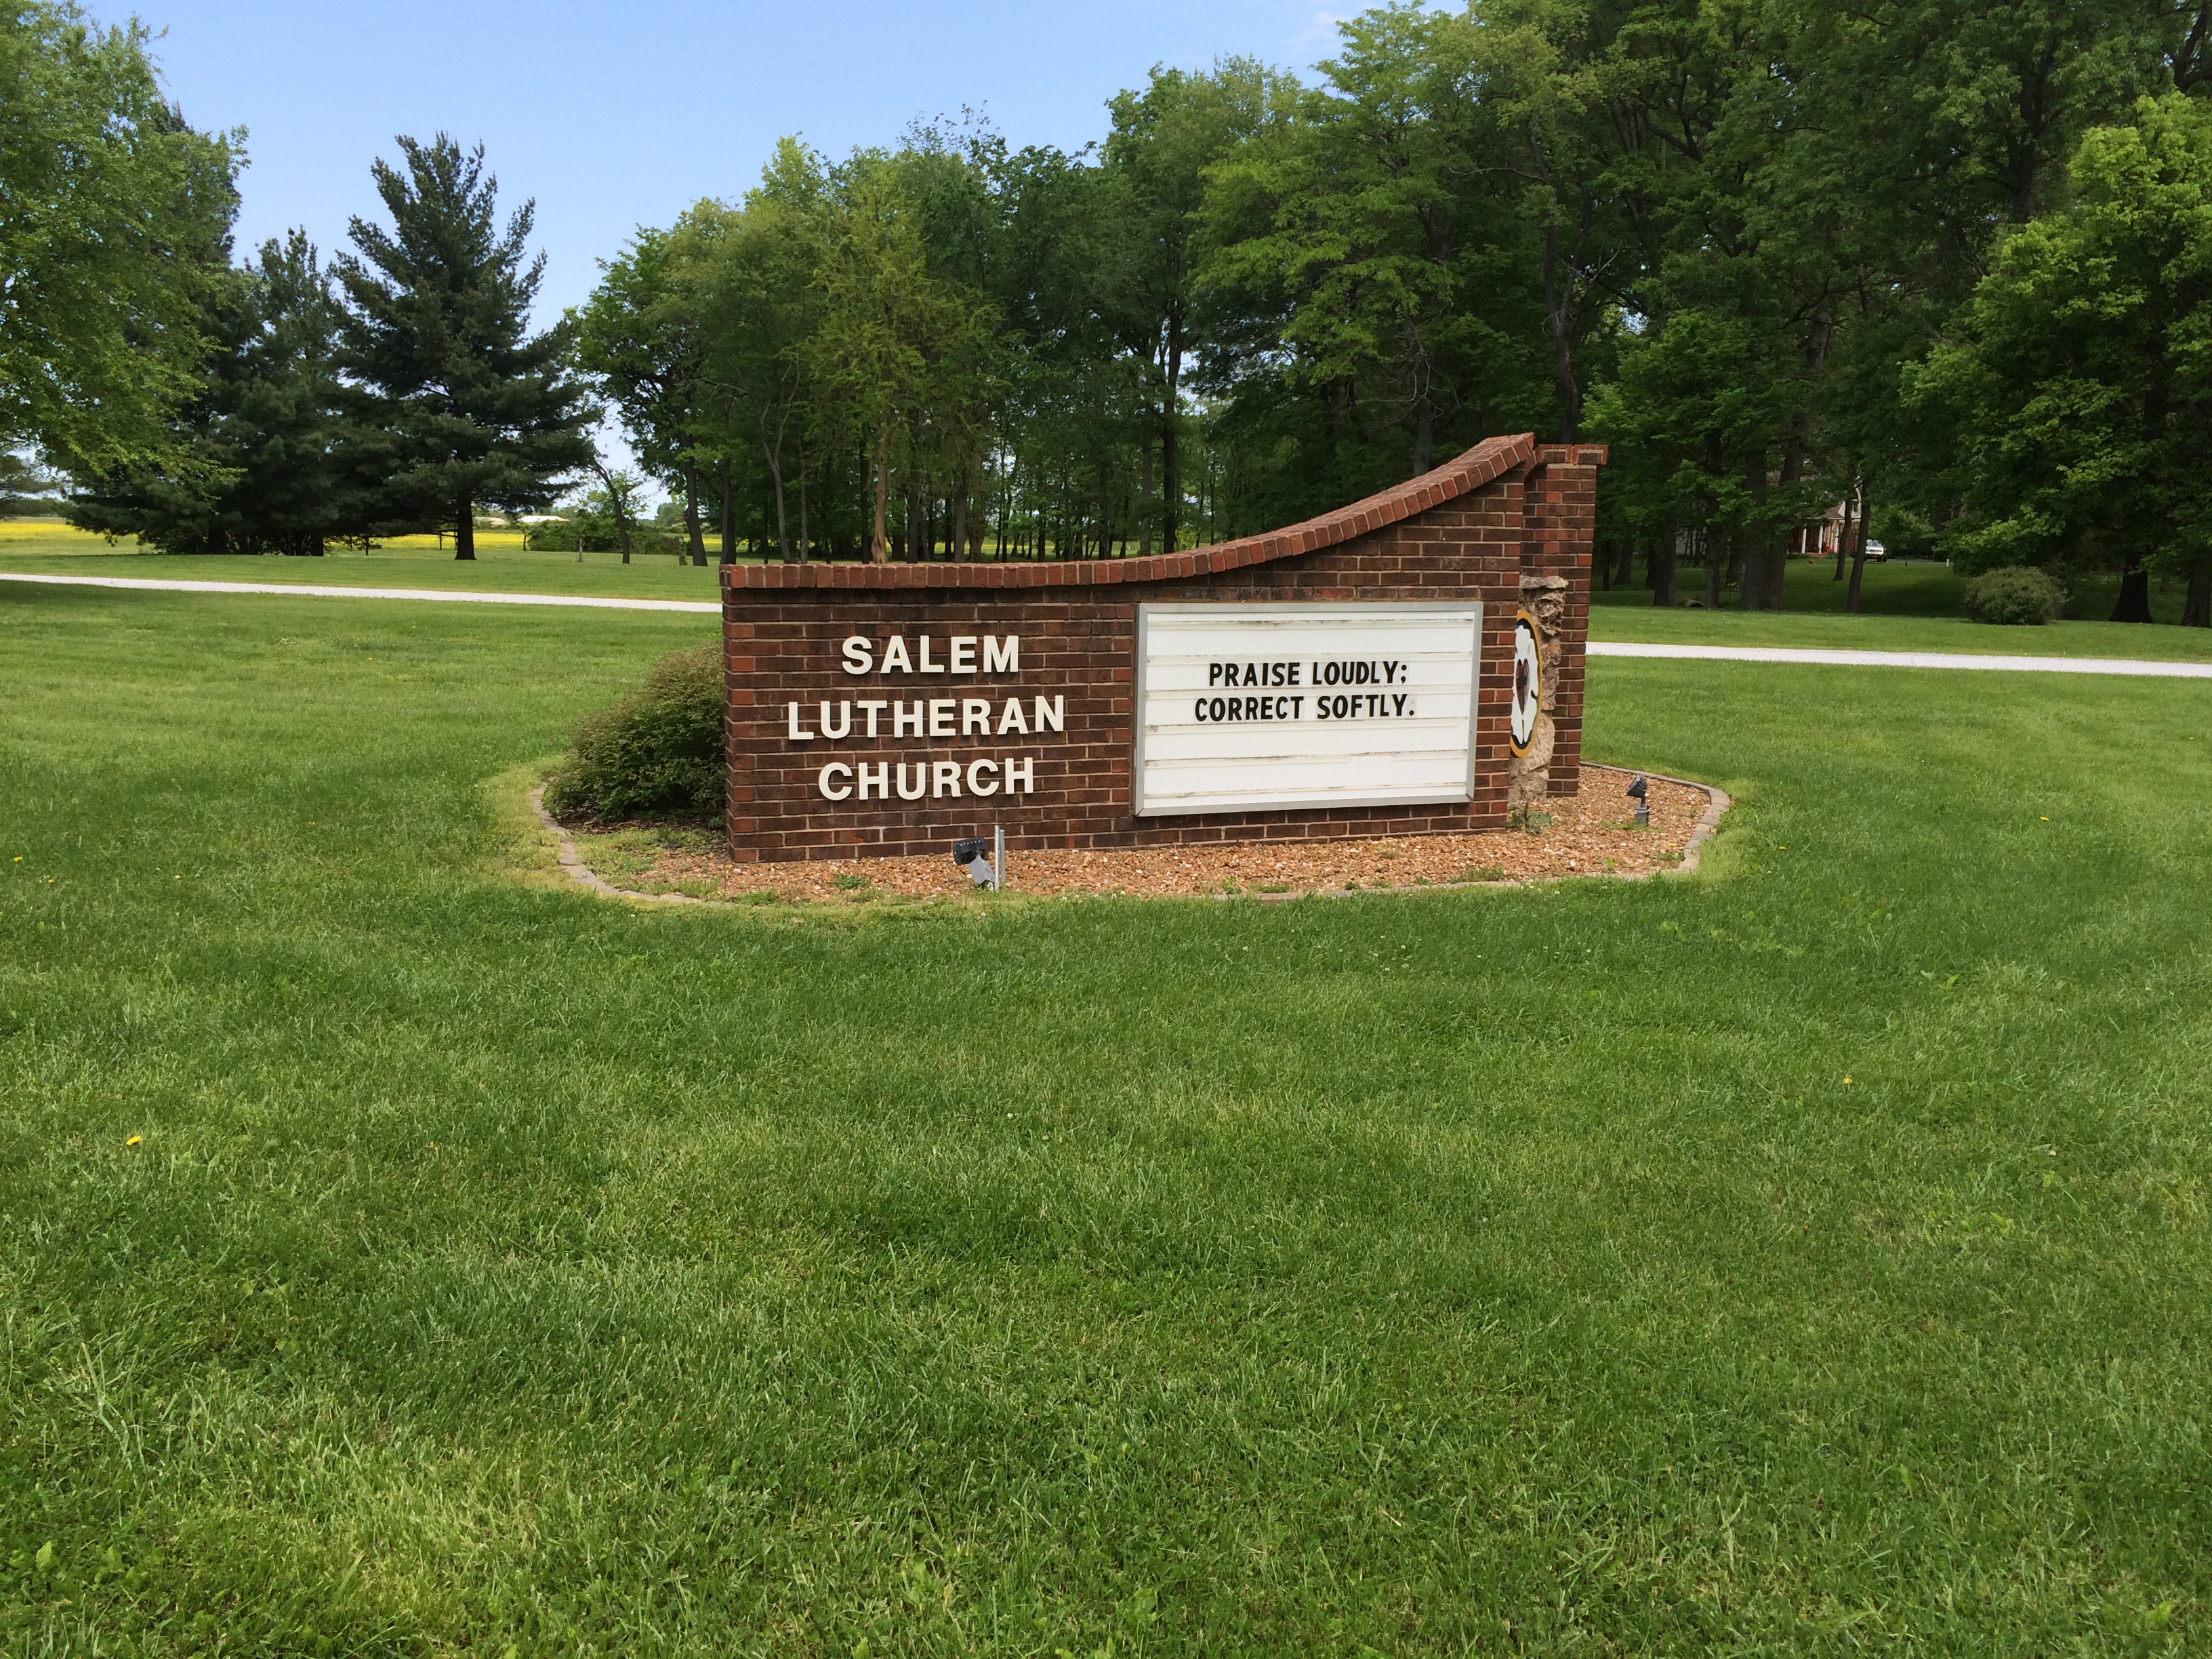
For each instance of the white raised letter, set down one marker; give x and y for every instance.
(976, 786)
(964, 653)
(975, 716)
(843, 791)
(1002, 656)
(879, 777)
(928, 666)
(1013, 719)
(1021, 775)
(1054, 718)
(859, 655)
(921, 780)
(948, 778)
(895, 656)
(872, 710)
(844, 726)
(941, 717)
(903, 723)
(798, 736)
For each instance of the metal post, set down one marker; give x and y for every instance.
(998, 856)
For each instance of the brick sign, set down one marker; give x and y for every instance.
(1350, 676)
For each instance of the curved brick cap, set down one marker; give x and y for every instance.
(1488, 460)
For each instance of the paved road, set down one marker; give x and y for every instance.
(2189, 670)
(2180, 671)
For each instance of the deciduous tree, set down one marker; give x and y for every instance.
(114, 225)
(2079, 374)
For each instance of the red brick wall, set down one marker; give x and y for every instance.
(1465, 530)
(1560, 507)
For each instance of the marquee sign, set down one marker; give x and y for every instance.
(1270, 706)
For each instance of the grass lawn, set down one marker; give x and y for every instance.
(1906, 607)
(502, 564)
(1812, 1257)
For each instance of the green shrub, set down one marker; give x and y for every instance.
(657, 750)
(2014, 594)
(599, 534)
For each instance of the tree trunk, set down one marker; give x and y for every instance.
(622, 514)
(1626, 572)
(879, 548)
(464, 531)
(698, 542)
(730, 518)
(1844, 533)
(1756, 589)
(1858, 555)
(1793, 456)
(2196, 607)
(805, 549)
(960, 518)
(912, 538)
(782, 513)
(1712, 563)
(1171, 452)
(1559, 312)
(1145, 501)
(2133, 605)
(1661, 561)
(1751, 570)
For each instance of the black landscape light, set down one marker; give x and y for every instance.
(984, 862)
(1640, 791)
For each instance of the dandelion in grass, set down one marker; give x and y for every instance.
(134, 1140)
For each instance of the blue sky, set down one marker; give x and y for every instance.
(613, 116)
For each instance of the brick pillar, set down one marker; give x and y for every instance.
(1559, 525)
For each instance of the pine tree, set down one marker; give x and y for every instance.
(467, 407)
(25, 490)
(259, 452)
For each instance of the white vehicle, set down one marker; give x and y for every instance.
(1876, 552)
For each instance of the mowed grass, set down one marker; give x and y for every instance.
(1906, 606)
(502, 564)
(1811, 1256)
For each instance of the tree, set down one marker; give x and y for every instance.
(751, 275)
(619, 490)
(475, 409)
(640, 339)
(888, 326)
(114, 216)
(24, 489)
(261, 448)
(1564, 128)
(1371, 294)
(1162, 143)
(2079, 376)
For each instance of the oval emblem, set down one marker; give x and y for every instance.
(1528, 683)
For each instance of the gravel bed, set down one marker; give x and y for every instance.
(1587, 834)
